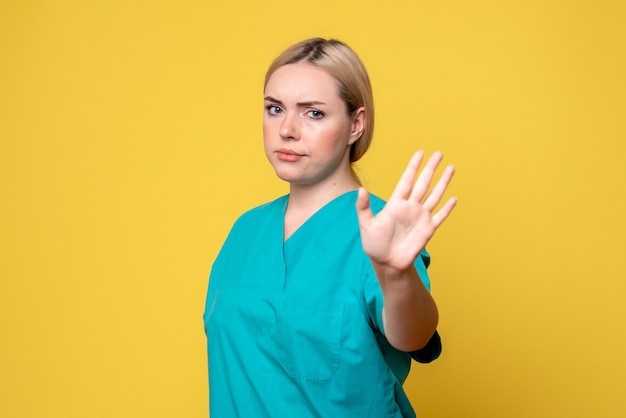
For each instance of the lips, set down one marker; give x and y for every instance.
(288, 152)
(289, 155)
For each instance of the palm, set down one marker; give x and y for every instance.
(398, 233)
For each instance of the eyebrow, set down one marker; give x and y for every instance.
(300, 104)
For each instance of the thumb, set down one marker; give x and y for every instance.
(363, 209)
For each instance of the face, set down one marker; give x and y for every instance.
(307, 131)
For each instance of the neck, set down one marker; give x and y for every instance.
(314, 196)
(305, 200)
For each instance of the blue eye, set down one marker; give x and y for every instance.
(315, 114)
(273, 109)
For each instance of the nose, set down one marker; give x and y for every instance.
(290, 127)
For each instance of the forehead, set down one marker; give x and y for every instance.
(302, 81)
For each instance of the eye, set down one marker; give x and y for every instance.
(272, 109)
(315, 114)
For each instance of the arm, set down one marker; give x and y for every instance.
(394, 238)
(410, 314)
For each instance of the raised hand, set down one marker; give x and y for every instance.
(398, 233)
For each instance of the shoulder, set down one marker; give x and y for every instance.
(252, 221)
(262, 211)
(253, 227)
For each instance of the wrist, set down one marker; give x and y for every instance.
(391, 272)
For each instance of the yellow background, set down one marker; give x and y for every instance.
(130, 140)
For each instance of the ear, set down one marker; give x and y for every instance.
(358, 125)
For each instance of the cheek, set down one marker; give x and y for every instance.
(336, 138)
(267, 131)
(271, 124)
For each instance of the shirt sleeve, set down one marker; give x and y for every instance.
(430, 352)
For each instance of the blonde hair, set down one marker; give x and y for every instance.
(341, 62)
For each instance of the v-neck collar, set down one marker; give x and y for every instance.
(311, 218)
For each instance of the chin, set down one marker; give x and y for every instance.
(289, 178)
(286, 173)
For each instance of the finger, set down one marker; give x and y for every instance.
(425, 177)
(443, 213)
(363, 209)
(433, 199)
(403, 188)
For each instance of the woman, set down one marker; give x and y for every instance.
(318, 300)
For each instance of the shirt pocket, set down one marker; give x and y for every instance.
(308, 340)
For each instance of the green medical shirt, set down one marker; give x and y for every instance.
(294, 327)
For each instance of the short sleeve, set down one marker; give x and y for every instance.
(430, 352)
(421, 265)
